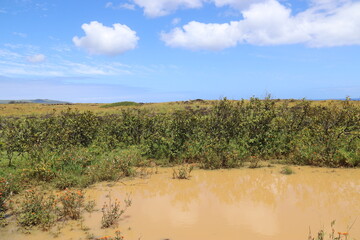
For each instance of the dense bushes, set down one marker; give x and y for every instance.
(75, 149)
(224, 135)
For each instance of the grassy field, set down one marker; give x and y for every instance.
(29, 109)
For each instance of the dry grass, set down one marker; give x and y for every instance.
(36, 108)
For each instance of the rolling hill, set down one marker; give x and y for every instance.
(43, 101)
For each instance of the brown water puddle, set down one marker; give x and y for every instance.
(254, 204)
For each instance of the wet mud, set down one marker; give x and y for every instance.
(260, 204)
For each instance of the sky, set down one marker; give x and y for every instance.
(170, 50)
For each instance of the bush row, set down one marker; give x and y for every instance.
(223, 135)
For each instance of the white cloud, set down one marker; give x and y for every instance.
(37, 58)
(22, 35)
(237, 4)
(127, 6)
(195, 35)
(270, 23)
(156, 8)
(100, 39)
(10, 55)
(176, 21)
(109, 5)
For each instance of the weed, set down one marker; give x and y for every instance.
(41, 171)
(113, 211)
(90, 206)
(286, 170)
(321, 235)
(3, 221)
(118, 236)
(182, 171)
(4, 192)
(72, 202)
(254, 162)
(36, 210)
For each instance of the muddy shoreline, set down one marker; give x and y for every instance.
(241, 203)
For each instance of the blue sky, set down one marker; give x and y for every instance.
(168, 50)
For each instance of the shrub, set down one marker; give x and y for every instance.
(4, 192)
(41, 172)
(72, 203)
(254, 161)
(182, 171)
(36, 210)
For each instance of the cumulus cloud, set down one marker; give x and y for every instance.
(37, 58)
(157, 8)
(270, 23)
(103, 40)
(195, 35)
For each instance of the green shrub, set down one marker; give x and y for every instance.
(36, 210)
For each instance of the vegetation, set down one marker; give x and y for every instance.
(182, 172)
(43, 209)
(321, 235)
(287, 170)
(112, 212)
(74, 148)
(121, 104)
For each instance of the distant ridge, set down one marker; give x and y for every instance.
(43, 101)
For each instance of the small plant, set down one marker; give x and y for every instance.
(36, 210)
(118, 236)
(3, 193)
(183, 172)
(287, 170)
(321, 235)
(72, 202)
(112, 212)
(3, 221)
(254, 162)
(41, 172)
(90, 206)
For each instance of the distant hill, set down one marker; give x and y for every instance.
(121, 104)
(43, 101)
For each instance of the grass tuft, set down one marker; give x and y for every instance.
(287, 170)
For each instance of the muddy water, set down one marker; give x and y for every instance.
(252, 204)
